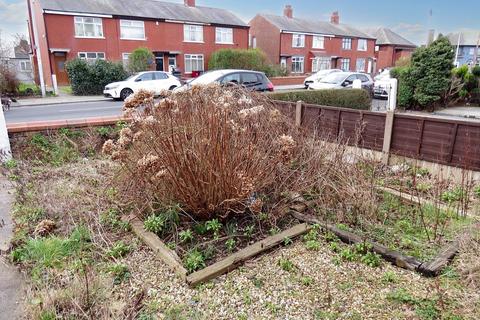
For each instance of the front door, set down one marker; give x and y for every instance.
(159, 61)
(59, 59)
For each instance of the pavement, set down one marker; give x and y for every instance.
(11, 281)
(61, 99)
(460, 112)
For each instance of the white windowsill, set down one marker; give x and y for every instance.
(298, 47)
(134, 39)
(79, 37)
(188, 41)
(224, 43)
(318, 48)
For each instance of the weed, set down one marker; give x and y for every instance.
(272, 307)
(325, 315)
(120, 273)
(258, 282)
(194, 260)
(371, 259)
(390, 277)
(334, 246)
(111, 218)
(313, 245)
(28, 215)
(104, 131)
(249, 231)
(118, 250)
(306, 281)
(286, 265)
(48, 315)
(10, 164)
(186, 236)
(200, 228)
(231, 229)
(348, 254)
(154, 224)
(214, 226)
(330, 237)
(476, 191)
(312, 235)
(230, 244)
(363, 248)
(287, 241)
(423, 187)
(454, 195)
(274, 230)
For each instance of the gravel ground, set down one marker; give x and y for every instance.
(318, 288)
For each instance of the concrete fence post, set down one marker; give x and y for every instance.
(299, 113)
(392, 96)
(387, 137)
(5, 151)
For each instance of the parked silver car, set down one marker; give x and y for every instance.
(343, 80)
(317, 76)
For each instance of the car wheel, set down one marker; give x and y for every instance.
(171, 88)
(125, 93)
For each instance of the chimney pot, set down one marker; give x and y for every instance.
(335, 19)
(288, 11)
(190, 3)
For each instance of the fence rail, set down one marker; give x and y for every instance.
(444, 141)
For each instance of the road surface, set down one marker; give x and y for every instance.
(68, 111)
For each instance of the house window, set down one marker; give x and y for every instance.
(87, 27)
(125, 59)
(25, 66)
(193, 33)
(298, 64)
(321, 63)
(362, 45)
(131, 29)
(283, 63)
(193, 62)
(377, 48)
(318, 42)
(361, 65)
(345, 65)
(224, 35)
(91, 56)
(347, 44)
(298, 41)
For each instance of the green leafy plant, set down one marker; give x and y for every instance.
(119, 272)
(371, 259)
(454, 195)
(286, 265)
(230, 244)
(476, 191)
(141, 59)
(390, 277)
(248, 231)
(348, 254)
(118, 250)
(186, 235)
(350, 98)
(194, 260)
(313, 245)
(287, 241)
(214, 226)
(10, 164)
(154, 224)
(307, 281)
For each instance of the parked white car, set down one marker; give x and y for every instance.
(343, 80)
(319, 76)
(155, 81)
(382, 84)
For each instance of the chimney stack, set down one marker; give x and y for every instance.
(288, 11)
(190, 3)
(335, 18)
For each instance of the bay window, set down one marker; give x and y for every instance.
(321, 63)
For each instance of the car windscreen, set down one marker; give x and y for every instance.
(132, 77)
(333, 78)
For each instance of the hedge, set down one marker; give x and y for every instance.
(343, 98)
(89, 78)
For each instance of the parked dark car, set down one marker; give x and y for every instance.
(252, 80)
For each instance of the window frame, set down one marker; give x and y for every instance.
(301, 61)
(298, 36)
(346, 41)
(315, 41)
(23, 65)
(223, 31)
(365, 41)
(96, 22)
(187, 30)
(79, 54)
(364, 64)
(344, 60)
(197, 57)
(318, 62)
(122, 37)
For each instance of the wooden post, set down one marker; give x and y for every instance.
(299, 113)
(387, 137)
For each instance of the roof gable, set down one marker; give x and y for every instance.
(467, 38)
(314, 26)
(150, 9)
(386, 36)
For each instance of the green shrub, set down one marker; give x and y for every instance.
(89, 78)
(27, 89)
(140, 60)
(405, 86)
(154, 224)
(348, 98)
(194, 260)
(248, 59)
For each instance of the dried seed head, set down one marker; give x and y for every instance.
(142, 97)
(250, 112)
(148, 162)
(108, 147)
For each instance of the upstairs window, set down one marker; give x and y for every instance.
(298, 41)
(25, 66)
(132, 29)
(224, 35)
(87, 27)
(347, 44)
(362, 45)
(318, 42)
(192, 33)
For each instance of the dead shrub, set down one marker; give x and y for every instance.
(215, 151)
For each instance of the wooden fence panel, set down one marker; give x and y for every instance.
(373, 131)
(406, 136)
(466, 149)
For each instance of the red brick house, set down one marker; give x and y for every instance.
(180, 35)
(390, 47)
(305, 46)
